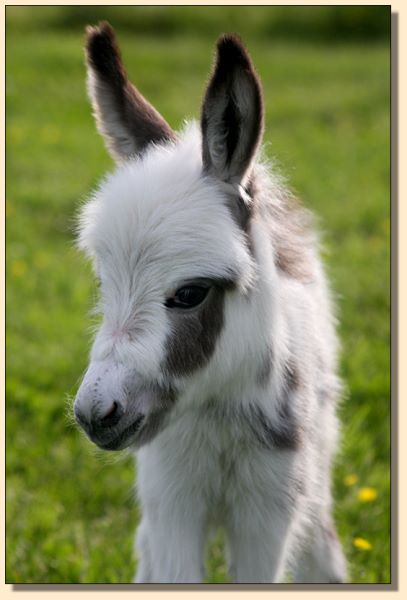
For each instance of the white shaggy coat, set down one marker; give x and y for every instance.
(248, 437)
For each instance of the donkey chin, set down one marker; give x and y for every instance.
(116, 408)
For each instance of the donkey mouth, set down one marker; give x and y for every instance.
(124, 439)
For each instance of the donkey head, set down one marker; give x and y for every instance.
(167, 233)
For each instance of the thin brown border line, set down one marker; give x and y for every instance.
(394, 261)
(203, 587)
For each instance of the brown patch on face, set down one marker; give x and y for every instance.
(195, 332)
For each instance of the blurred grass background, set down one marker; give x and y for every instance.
(71, 514)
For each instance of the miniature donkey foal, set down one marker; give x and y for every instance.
(216, 357)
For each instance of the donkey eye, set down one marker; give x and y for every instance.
(188, 297)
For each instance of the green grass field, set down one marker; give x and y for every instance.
(71, 514)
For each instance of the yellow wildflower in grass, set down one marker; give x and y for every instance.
(350, 480)
(367, 494)
(18, 268)
(362, 544)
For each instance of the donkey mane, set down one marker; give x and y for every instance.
(291, 226)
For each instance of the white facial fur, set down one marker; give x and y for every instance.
(152, 225)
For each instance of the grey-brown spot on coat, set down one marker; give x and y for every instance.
(291, 375)
(292, 237)
(283, 433)
(290, 226)
(265, 367)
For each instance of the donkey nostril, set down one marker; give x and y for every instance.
(113, 415)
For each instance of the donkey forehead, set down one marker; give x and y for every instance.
(162, 209)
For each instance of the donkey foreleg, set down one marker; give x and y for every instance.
(258, 547)
(321, 559)
(169, 551)
(144, 572)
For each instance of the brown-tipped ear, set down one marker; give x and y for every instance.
(232, 112)
(124, 117)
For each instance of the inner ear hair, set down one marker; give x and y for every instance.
(127, 121)
(232, 112)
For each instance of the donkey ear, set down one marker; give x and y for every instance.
(232, 112)
(124, 117)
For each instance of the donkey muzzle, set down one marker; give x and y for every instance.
(117, 409)
(103, 408)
